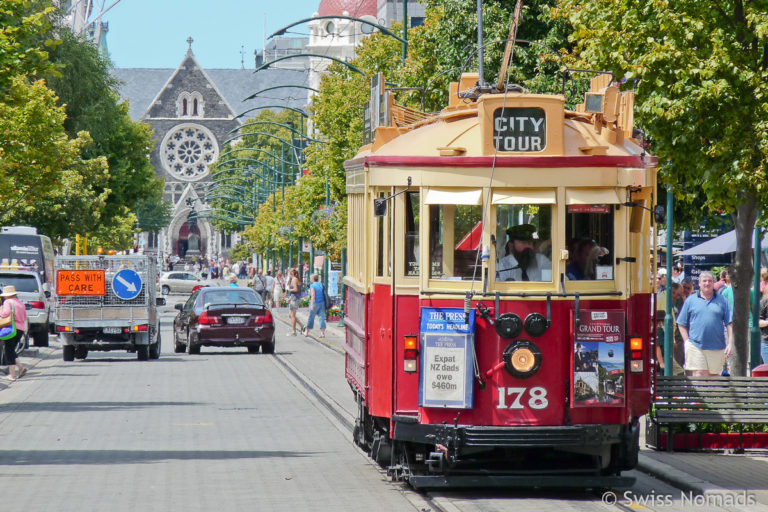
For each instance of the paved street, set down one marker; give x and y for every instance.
(225, 431)
(221, 431)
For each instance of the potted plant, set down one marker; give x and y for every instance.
(334, 313)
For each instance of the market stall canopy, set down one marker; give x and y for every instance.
(722, 244)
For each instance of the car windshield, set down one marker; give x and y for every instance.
(234, 296)
(22, 283)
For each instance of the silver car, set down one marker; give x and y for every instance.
(180, 282)
(30, 291)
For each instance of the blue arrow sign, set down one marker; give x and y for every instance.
(126, 284)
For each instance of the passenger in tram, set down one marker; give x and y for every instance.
(522, 262)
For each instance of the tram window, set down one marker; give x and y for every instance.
(590, 240)
(454, 237)
(523, 242)
(380, 243)
(411, 234)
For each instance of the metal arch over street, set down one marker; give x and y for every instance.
(298, 111)
(281, 87)
(382, 28)
(260, 133)
(318, 55)
(301, 135)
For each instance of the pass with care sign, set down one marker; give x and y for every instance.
(446, 358)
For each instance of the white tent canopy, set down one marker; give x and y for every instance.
(722, 244)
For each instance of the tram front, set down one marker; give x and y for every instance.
(499, 322)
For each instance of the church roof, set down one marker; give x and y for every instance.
(355, 8)
(140, 87)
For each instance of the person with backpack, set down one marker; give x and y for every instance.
(14, 315)
(317, 305)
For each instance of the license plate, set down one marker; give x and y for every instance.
(236, 320)
(113, 330)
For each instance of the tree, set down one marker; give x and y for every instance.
(85, 87)
(23, 44)
(701, 72)
(39, 164)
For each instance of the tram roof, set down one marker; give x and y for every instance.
(463, 134)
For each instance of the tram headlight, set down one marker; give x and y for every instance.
(535, 324)
(522, 359)
(509, 325)
(410, 353)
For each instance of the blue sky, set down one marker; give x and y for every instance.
(153, 33)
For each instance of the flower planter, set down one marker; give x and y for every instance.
(709, 441)
(333, 318)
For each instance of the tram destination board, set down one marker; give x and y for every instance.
(81, 282)
(446, 358)
(519, 129)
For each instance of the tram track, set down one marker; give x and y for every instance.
(345, 423)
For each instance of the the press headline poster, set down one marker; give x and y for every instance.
(447, 361)
(598, 359)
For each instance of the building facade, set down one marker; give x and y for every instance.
(193, 112)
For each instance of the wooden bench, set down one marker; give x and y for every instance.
(738, 400)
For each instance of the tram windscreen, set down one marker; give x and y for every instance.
(524, 243)
(590, 241)
(455, 233)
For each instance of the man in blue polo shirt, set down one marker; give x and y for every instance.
(703, 322)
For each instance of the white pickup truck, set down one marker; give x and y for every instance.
(107, 303)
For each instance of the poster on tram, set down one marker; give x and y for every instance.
(598, 359)
(447, 355)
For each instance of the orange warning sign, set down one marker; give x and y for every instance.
(81, 282)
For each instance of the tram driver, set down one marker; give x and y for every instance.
(521, 261)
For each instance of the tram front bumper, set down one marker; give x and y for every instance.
(573, 436)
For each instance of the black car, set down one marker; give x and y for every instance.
(220, 316)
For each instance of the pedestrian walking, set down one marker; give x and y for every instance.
(763, 324)
(316, 305)
(277, 291)
(14, 312)
(704, 321)
(294, 298)
(269, 288)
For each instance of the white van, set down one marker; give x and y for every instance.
(21, 247)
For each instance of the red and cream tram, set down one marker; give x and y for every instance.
(498, 306)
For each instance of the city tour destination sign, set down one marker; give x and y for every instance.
(446, 358)
(519, 129)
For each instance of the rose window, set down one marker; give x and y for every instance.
(188, 150)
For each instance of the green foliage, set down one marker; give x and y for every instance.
(89, 93)
(701, 74)
(23, 43)
(43, 177)
(153, 215)
(240, 252)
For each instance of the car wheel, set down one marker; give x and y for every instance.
(268, 347)
(68, 352)
(81, 352)
(154, 349)
(41, 337)
(142, 352)
(192, 348)
(254, 349)
(165, 290)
